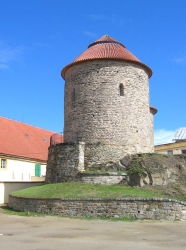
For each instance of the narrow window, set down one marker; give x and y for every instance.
(121, 90)
(183, 151)
(73, 95)
(3, 163)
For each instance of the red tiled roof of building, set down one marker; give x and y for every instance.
(22, 140)
(106, 48)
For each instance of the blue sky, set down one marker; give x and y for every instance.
(39, 37)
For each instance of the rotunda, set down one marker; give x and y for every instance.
(107, 111)
(107, 98)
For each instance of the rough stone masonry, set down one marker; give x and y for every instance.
(106, 108)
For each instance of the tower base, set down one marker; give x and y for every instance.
(66, 160)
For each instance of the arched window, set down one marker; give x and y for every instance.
(121, 89)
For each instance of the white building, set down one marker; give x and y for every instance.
(23, 151)
(178, 147)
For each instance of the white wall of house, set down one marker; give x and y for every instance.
(7, 187)
(43, 170)
(171, 148)
(19, 170)
(171, 151)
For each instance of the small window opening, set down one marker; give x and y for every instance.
(121, 89)
(44, 139)
(170, 152)
(93, 116)
(73, 95)
(27, 135)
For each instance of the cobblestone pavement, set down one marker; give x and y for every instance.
(44, 233)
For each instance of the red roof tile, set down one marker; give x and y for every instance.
(104, 38)
(23, 140)
(106, 48)
(154, 110)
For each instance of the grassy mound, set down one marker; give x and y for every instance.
(137, 164)
(81, 190)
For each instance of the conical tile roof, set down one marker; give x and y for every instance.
(106, 48)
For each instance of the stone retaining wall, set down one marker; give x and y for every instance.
(66, 160)
(102, 178)
(160, 209)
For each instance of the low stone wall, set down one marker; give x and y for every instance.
(65, 161)
(102, 178)
(160, 209)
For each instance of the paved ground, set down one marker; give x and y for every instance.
(53, 233)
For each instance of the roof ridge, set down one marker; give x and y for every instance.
(27, 124)
(105, 39)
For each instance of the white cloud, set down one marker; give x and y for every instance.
(9, 54)
(179, 59)
(4, 66)
(91, 34)
(162, 136)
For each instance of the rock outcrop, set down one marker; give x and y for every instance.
(155, 169)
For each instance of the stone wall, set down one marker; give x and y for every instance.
(64, 162)
(160, 209)
(100, 154)
(102, 178)
(111, 125)
(95, 112)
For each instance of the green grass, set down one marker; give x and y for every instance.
(10, 211)
(80, 190)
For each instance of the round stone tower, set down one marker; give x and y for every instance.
(107, 99)
(107, 111)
